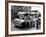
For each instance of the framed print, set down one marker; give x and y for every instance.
(25, 18)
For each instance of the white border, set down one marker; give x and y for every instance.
(22, 32)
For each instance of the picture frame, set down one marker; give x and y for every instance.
(24, 7)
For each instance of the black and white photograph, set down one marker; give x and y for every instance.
(25, 18)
